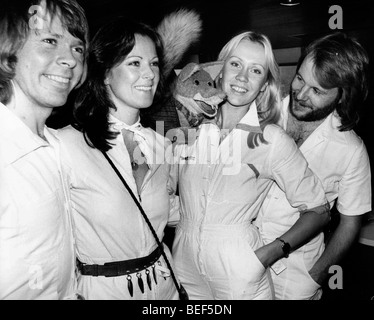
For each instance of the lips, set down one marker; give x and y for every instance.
(144, 88)
(58, 79)
(238, 89)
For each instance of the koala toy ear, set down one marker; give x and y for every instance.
(188, 71)
(213, 68)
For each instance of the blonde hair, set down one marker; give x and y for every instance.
(268, 101)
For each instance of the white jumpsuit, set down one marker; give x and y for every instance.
(221, 188)
(107, 224)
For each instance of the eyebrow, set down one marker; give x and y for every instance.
(135, 56)
(256, 64)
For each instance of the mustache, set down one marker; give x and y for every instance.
(299, 102)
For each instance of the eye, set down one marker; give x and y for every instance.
(79, 50)
(210, 84)
(196, 82)
(234, 64)
(50, 41)
(134, 63)
(316, 91)
(155, 64)
(257, 71)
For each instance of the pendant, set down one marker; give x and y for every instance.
(154, 273)
(129, 285)
(149, 281)
(140, 282)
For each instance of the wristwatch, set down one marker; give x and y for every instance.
(285, 247)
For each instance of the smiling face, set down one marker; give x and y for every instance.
(309, 100)
(132, 84)
(244, 73)
(49, 66)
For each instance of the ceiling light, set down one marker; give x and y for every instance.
(289, 3)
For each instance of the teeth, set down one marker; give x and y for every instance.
(238, 89)
(57, 78)
(144, 88)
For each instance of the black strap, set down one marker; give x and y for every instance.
(182, 293)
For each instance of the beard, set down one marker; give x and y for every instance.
(305, 112)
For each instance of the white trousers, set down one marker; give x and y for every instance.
(217, 262)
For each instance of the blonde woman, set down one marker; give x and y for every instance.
(225, 174)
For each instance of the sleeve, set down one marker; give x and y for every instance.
(355, 195)
(290, 170)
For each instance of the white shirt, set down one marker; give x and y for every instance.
(36, 247)
(341, 162)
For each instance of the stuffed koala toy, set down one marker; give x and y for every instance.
(197, 94)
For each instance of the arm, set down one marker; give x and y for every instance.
(354, 199)
(310, 223)
(341, 241)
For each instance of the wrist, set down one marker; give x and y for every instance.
(285, 246)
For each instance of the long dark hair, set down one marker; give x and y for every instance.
(109, 47)
(341, 62)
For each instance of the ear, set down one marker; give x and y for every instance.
(188, 71)
(213, 68)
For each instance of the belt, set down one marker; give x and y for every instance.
(119, 268)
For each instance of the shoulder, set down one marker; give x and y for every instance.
(70, 136)
(68, 131)
(273, 132)
(281, 145)
(350, 139)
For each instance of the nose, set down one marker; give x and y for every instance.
(66, 58)
(302, 93)
(242, 75)
(148, 73)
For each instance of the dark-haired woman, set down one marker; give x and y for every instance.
(117, 255)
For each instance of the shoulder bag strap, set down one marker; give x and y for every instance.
(182, 293)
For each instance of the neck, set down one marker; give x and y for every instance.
(300, 130)
(33, 116)
(230, 116)
(128, 116)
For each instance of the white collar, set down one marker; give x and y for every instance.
(119, 125)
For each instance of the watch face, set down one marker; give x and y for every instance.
(286, 248)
